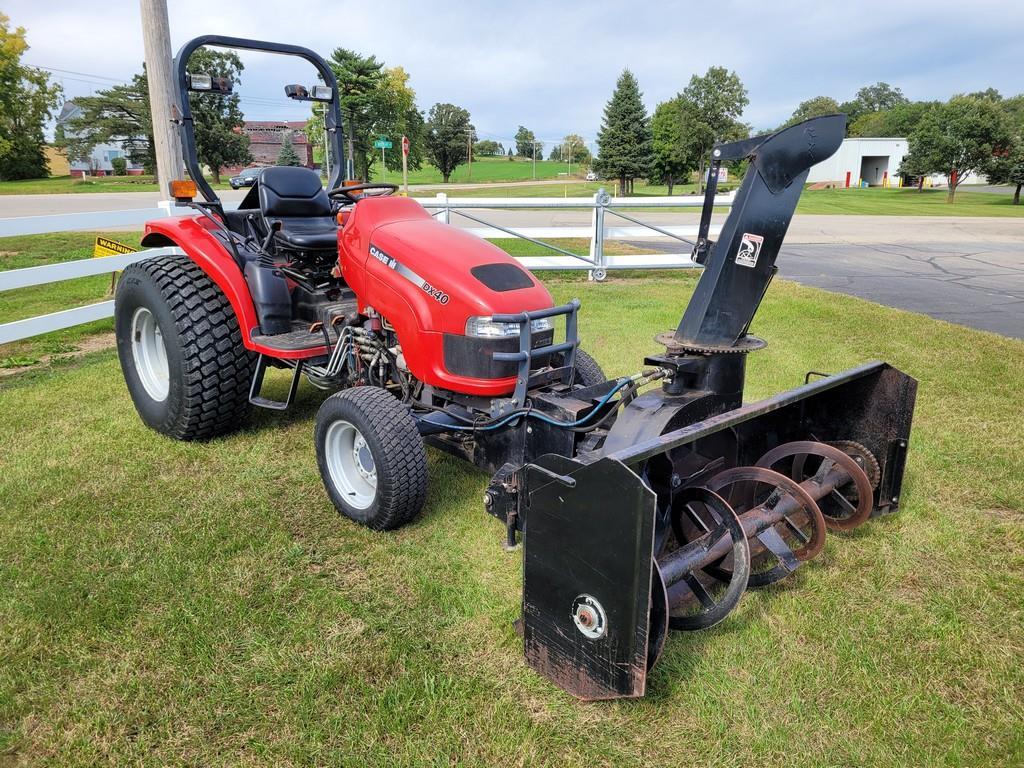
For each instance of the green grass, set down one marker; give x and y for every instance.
(906, 202)
(485, 169)
(172, 603)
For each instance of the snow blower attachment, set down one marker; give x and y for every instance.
(693, 497)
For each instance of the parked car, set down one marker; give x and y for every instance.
(246, 178)
(591, 176)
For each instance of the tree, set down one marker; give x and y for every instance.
(288, 155)
(624, 141)
(27, 100)
(900, 120)
(717, 101)
(872, 98)
(217, 118)
(527, 144)
(116, 115)
(958, 138)
(816, 107)
(446, 131)
(375, 101)
(488, 148)
(1008, 168)
(398, 116)
(574, 148)
(674, 157)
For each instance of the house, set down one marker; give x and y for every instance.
(266, 138)
(98, 162)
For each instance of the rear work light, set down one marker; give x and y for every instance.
(209, 83)
(486, 328)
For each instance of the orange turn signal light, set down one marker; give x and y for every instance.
(183, 189)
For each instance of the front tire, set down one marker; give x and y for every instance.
(588, 372)
(371, 457)
(181, 350)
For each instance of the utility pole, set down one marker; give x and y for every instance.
(156, 40)
(534, 158)
(469, 147)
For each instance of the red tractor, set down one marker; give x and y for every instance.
(646, 510)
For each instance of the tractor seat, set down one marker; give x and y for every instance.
(295, 197)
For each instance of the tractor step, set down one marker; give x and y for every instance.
(257, 385)
(299, 338)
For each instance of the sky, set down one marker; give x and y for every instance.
(552, 66)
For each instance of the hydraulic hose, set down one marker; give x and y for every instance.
(637, 380)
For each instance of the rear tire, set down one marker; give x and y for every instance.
(588, 372)
(181, 350)
(371, 457)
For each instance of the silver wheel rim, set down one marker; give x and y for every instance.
(350, 464)
(150, 354)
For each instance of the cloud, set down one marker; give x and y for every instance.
(552, 66)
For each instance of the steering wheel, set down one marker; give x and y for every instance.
(347, 192)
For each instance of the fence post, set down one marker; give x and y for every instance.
(445, 214)
(599, 272)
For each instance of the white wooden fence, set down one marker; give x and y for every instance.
(448, 209)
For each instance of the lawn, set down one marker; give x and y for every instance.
(203, 604)
(485, 169)
(873, 202)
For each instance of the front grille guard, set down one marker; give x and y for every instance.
(526, 354)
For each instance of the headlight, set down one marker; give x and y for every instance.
(486, 328)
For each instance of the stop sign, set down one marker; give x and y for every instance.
(405, 146)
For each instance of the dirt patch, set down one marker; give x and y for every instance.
(89, 344)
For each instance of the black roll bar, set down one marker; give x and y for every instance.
(332, 116)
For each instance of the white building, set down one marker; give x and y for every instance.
(874, 161)
(98, 163)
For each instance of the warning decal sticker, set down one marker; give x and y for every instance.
(750, 249)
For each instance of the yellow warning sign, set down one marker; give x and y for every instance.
(104, 246)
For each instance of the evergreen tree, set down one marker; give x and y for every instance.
(288, 155)
(624, 141)
(117, 115)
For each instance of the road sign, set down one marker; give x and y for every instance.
(382, 144)
(405, 146)
(107, 247)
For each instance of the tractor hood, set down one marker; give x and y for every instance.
(449, 274)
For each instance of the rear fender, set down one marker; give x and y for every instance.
(200, 245)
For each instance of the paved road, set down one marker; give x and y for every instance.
(980, 286)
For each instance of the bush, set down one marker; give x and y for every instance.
(120, 166)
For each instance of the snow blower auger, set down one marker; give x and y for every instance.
(692, 497)
(638, 511)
